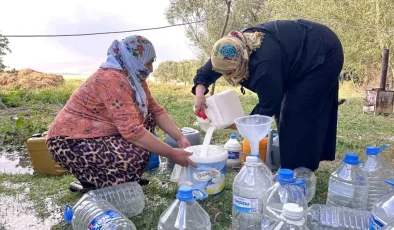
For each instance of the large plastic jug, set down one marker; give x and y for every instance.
(40, 156)
(383, 210)
(222, 109)
(185, 213)
(292, 218)
(348, 185)
(377, 170)
(249, 188)
(287, 189)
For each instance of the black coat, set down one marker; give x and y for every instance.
(295, 76)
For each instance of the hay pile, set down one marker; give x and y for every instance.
(29, 79)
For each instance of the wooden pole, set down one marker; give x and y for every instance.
(383, 75)
(228, 3)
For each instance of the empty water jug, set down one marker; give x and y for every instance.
(287, 189)
(383, 210)
(128, 198)
(249, 188)
(292, 218)
(310, 178)
(219, 112)
(323, 217)
(377, 170)
(348, 184)
(94, 213)
(185, 213)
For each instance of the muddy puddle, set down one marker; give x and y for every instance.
(15, 161)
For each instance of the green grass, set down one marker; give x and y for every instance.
(32, 111)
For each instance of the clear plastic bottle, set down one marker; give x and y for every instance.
(128, 197)
(185, 213)
(383, 210)
(94, 213)
(323, 217)
(249, 188)
(292, 218)
(234, 148)
(348, 185)
(287, 189)
(377, 170)
(310, 178)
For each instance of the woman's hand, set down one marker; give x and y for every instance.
(181, 157)
(183, 143)
(200, 101)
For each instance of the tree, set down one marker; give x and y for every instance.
(3, 48)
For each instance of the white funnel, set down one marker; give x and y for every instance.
(254, 128)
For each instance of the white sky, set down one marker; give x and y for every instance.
(84, 54)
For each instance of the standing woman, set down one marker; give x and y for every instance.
(293, 67)
(104, 134)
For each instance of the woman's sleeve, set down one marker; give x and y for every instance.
(205, 76)
(153, 107)
(117, 97)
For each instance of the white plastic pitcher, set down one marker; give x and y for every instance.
(222, 109)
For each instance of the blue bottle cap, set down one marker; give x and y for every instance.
(68, 214)
(372, 150)
(351, 158)
(285, 174)
(389, 182)
(233, 136)
(185, 193)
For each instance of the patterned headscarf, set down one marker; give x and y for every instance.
(230, 55)
(131, 55)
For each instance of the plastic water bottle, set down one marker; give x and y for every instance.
(323, 217)
(348, 184)
(93, 213)
(234, 148)
(310, 178)
(185, 213)
(287, 189)
(128, 197)
(383, 210)
(292, 218)
(377, 170)
(249, 188)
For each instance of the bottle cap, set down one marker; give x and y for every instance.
(202, 114)
(351, 158)
(232, 136)
(293, 211)
(285, 174)
(374, 150)
(185, 193)
(252, 159)
(68, 214)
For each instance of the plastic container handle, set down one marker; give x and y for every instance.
(204, 195)
(381, 149)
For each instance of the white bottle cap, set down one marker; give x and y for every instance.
(252, 159)
(293, 211)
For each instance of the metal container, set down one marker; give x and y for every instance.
(192, 135)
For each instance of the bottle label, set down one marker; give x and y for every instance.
(374, 223)
(233, 155)
(101, 220)
(246, 205)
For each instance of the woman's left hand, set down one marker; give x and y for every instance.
(183, 143)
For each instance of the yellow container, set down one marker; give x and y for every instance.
(41, 158)
(247, 149)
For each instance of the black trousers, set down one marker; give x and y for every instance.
(309, 113)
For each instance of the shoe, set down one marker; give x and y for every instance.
(143, 182)
(77, 187)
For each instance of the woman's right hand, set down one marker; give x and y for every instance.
(181, 157)
(200, 104)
